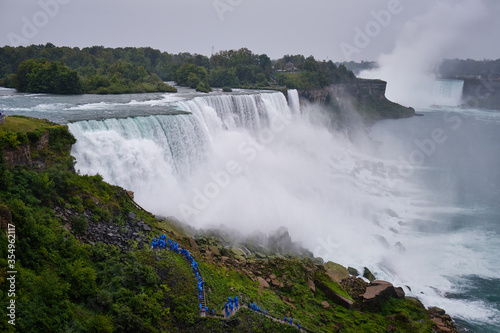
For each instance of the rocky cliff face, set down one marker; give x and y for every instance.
(359, 89)
(22, 155)
(365, 97)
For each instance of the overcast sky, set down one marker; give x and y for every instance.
(327, 29)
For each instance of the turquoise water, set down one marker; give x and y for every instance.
(461, 173)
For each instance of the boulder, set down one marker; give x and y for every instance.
(263, 283)
(335, 271)
(377, 292)
(356, 287)
(215, 251)
(353, 271)
(443, 321)
(400, 293)
(368, 275)
(312, 286)
(334, 296)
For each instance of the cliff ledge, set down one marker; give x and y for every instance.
(366, 97)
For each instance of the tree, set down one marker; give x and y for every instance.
(182, 73)
(42, 76)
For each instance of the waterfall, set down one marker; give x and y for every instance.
(448, 92)
(250, 162)
(133, 151)
(293, 100)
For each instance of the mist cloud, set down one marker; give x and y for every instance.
(421, 46)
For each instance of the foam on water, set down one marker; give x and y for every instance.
(93, 106)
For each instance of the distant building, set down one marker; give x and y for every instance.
(289, 67)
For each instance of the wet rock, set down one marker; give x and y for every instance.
(400, 293)
(368, 275)
(353, 271)
(443, 321)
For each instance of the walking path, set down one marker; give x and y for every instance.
(232, 306)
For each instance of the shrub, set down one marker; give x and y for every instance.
(79, 224)
(203, 87)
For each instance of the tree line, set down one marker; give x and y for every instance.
(460, 68)
(97, 69)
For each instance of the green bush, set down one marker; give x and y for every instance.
(79, 224)
(227, 89)
(203, 87)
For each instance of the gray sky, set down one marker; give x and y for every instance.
(327, 29)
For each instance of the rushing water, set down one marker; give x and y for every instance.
(415, 200)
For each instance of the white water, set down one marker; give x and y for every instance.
(254, 162)
(448, 92)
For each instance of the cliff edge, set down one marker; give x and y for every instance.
(365, 97)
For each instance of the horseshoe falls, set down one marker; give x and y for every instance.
(448, 92)
(414, 200)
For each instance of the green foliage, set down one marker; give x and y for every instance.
(227, 89)
(240, 68)
(203, 87)
(63, 70)
(9, 139)
(42, 76)
(221, 77)
(79, 224)
(314, 74)
(135, 70)
(188, 74)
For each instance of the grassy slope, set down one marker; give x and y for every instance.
(66, 285)
(23, 124)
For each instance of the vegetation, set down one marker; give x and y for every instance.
(46, 68)
(315, 74)
(42, 76)
(459, 68)
(64, 283)
(358, 67)
(64, 70)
